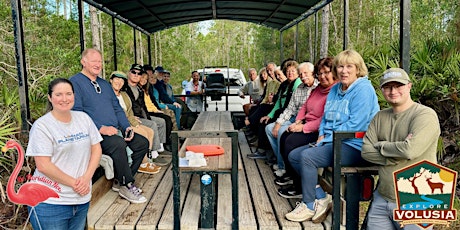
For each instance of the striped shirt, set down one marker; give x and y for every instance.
(299, 97)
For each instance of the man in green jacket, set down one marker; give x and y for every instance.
(399, 136)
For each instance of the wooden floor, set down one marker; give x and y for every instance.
(260, 207)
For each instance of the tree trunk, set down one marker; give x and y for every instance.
(310, 40)
(360, 8)
(140, 50)
(334, 24)
(94, 22)
(324, 33)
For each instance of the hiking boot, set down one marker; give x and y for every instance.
(257, 155)
(280, 172)
(290, 193)
(322, 207)
(149, 168)
(300, 213)
(115, 185)
(131, 193)
(162, 160)
(284, 180)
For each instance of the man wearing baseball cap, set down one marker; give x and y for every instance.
(399, 136)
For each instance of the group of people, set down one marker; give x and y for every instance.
(296, 108)
(128, 118)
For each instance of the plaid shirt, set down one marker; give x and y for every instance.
(299, 97)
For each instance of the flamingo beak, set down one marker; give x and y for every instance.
(4, 149)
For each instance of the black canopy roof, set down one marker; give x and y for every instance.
(150, 16)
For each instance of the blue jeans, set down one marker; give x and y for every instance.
(380, 215)
(177, 113)
(275, 142)
(306, 160)
(58, 217)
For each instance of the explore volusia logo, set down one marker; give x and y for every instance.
(425, 193)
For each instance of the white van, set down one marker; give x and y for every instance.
(234, 80)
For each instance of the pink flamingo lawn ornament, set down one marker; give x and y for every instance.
(29, 193)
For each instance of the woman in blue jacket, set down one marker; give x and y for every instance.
(350, 106)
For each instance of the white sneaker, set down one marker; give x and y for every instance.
(131, 193)
(153, 154)
(275, 167)
(161, 149)
(300, 213)
(280, 172)
(322, 207)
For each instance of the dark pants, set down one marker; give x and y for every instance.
(115, 147)
(290, 141)
(168, 123)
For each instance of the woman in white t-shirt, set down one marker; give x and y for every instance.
(65, 146)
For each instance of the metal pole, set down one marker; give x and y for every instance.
(81, 26)
(404, 34)
(114, 40)
(21, 63)
(345, 24)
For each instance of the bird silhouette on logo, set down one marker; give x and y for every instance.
(29, 193)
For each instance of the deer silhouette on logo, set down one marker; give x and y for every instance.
(434, 185)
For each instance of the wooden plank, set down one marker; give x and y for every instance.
(99, 189)
(263, 209)
(191, 209)
(246, 217)
(115, 211)
(167, 215)
(98, 209)
(134, 212)
(281, 205)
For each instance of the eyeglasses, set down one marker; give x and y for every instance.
(96, 86)
(134, 72)
(322, 74)
(389, 88)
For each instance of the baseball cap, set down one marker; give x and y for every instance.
(159, 69)
(148, 67)
(396, 75)
(136, 67)
(118, 74)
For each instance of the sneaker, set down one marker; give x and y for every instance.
(300, 213)
(290, 193)
(284, 180)
(115, 185)
(280, 172)
(254, 144)
(322, 207)
(275, 167)
(257, 155)
(131, 193)
(162, 161)
(149, 168)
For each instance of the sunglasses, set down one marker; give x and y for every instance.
(134, 72)
(96, 86)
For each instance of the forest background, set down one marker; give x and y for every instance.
(52, 48)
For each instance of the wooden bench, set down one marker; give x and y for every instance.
(347, 184)
(209, 128)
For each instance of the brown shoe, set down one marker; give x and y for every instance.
(149, 168)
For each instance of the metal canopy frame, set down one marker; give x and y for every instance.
(151, 16)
